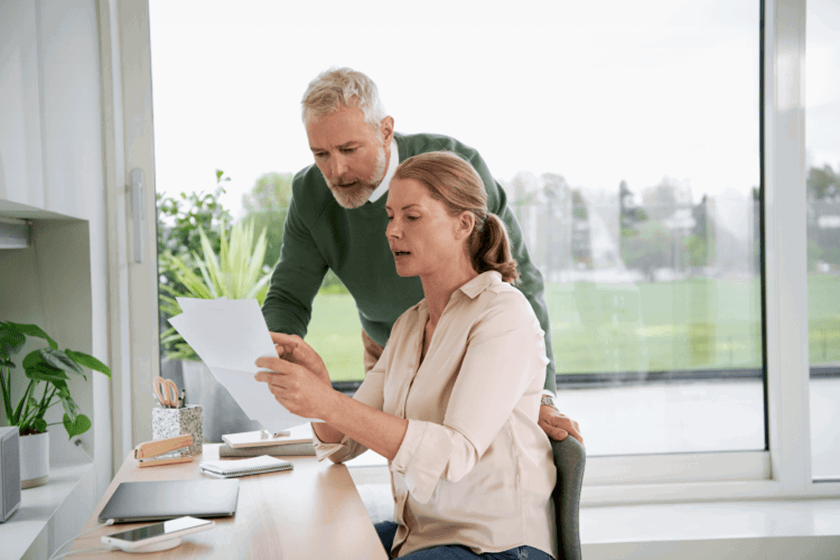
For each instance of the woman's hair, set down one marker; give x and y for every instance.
(454, 182)
(342, 87)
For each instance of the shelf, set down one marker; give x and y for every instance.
(15, 233)
(50, 514)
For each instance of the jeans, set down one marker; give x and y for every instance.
(388, 529)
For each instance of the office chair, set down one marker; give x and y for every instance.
(570, 459)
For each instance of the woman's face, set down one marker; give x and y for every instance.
(425, 239)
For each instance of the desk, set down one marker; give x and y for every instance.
(311, 512)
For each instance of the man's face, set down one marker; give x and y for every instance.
(351, 156)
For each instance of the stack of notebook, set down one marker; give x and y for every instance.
(296, 441)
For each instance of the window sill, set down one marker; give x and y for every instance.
(50, 514)
(770, 529)
(689, 526)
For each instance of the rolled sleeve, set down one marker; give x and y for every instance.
(337, 452)
(424, 454)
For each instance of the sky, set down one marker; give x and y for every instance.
(597, 91)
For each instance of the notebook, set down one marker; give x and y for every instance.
(167, 499)
(261, 438)
(245, 467)
(287, 450)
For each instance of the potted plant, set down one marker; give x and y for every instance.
(48, 368)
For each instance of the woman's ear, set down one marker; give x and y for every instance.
(466, 223)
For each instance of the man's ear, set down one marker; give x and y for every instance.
(386, 128)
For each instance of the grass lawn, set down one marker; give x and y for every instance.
(335, 332)
(691, 324)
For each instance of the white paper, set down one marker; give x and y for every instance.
(229, 336)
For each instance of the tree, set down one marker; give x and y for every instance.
(823, 182)
(647, 249)
(181, 216)
(180, 221)
(272, 191)
(630, 214)
(823, 187)
(521, 191)
(267, 204)
(663, 199)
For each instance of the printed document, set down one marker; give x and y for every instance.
(229, 336)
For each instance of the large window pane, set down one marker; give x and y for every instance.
(626, 135)
(823, 192)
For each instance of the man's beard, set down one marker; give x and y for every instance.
(355, 192)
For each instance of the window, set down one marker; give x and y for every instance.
(823, 223)
(627, 138)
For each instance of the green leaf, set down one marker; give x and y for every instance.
(32, 360)
(70, 406)
(59, 360)
(44, 372)
(34, 330)
(80, 426)
(89, 362)
(39, 424)
(11, 341)
(19, 411)
(219, 174)
(63, 391)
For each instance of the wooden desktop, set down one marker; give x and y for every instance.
(312, 512)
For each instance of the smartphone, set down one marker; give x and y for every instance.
(156, 536)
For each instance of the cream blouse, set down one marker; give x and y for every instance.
(474, 468)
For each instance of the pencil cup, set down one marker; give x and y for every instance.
(173, 422)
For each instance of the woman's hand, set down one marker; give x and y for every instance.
(292, 348)
(298, 378)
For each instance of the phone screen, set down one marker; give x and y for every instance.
(165, 528)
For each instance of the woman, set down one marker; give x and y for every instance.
(453, 402)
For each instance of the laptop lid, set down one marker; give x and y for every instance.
(166, 499)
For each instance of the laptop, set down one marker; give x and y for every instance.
(168, 499)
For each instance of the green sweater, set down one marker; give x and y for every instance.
(319, 234)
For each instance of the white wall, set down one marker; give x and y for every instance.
(51, 169)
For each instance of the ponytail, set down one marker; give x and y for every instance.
(490, 249)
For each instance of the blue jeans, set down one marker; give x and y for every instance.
(388, 529)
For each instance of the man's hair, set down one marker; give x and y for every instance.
(455, 182)
(343, 87)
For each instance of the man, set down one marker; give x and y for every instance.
(337, 220)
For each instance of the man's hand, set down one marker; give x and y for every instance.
(558, 426)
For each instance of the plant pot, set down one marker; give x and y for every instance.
(34, 460)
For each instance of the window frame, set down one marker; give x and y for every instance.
(784, 469)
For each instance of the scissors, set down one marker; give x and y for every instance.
(166, 392)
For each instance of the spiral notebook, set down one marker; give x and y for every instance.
(245, 467)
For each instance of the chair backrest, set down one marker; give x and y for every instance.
(570, 459)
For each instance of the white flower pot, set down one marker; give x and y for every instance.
(34, 460)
